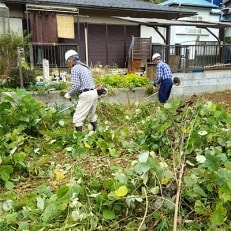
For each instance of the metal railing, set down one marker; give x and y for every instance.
(188, 58)
(54, 52)
(182, 58)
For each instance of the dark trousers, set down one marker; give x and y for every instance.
(165, 90)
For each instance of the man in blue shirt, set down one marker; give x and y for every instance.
(83, 84)
(163, 78)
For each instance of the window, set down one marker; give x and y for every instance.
(190, 30)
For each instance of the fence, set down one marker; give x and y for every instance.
(52, 52)
(188, 58)
(185, 58)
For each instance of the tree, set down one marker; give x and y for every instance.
(9, 44)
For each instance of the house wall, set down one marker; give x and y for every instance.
(103, 40)
(16, 10)
(16, 25)
(147, 32)
(226, 17)
(16, 15)
(181, 34)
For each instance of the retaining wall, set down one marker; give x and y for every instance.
(191, 84)
(202, 82)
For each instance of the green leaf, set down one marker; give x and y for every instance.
(143, 157)
(113, 152)
(169, 203)
(5, 171)
(141, 168)
(122, 178)
(155, 190)
(168, 105)
(199, 191)
(108, 214)
(211, 162)
(7, 205)
(23, 226)
(218, 217)
(9, 185)
(132, 199)
(190, 180)
(40, 203)
(50, 212)
(62, 205)
(199, 207)
(75, 215)
(12, 218)
(225, 176)
(61, 123)
(225, 193)
(20, 157)
(62, 191)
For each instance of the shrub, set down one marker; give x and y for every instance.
(14, 78)
(123, 81)
(8, 50)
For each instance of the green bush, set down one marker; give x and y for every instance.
(29, 78)
(123, 81)
(9, 44)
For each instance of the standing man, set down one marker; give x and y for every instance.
(83, 84)
(163, 78)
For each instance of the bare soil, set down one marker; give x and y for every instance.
(222, 98)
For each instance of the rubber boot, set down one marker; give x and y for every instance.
(80, 129)
(94, 125)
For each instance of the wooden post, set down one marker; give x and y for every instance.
(20, 67)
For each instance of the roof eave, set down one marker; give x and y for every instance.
(112, 11)
(140, 13)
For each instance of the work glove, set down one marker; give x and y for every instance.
(67, 96)
(153, 83)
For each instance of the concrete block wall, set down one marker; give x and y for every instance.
(115, 96)
(191, 84)
(202, 82)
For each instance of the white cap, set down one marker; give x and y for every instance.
(70, 53)
(155, 56)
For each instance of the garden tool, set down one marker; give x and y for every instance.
(176, 81)
(101, 90)
(150, 96)
(65, 109)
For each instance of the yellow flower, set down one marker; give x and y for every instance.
(121, 191)
(164, 180)
(58, 175)
(87, 145)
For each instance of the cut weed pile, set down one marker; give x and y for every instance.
(147, 167)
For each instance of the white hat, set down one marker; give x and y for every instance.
(155, 56)
(70, 53)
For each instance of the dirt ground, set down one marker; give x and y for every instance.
(223, 98)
